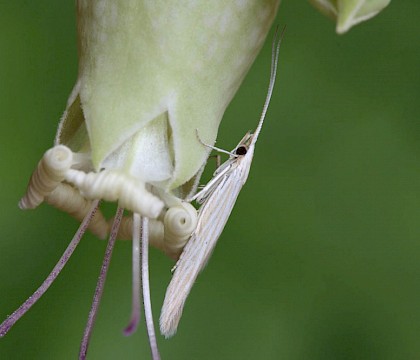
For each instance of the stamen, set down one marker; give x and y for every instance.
(100, 285)
(179, 222)
(113, 185)
(156, 231)
(68, 199)
(12, 319)
(135, 311)
(146, 287)
(49, 173)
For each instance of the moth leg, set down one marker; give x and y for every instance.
(218, 161)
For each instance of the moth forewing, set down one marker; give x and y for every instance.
(218, 198)
(211, 222)
(226, 168)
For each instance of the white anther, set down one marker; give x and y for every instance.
(125, 231)
(179, 222)
(68, 199)
(49, 173)
(112, 185)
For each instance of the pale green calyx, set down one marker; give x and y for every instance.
(348, 13)
(151, 72)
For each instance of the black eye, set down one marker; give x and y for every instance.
(241, 150)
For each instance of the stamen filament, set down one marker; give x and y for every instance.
(136, 288)
(146, 287)
(100, 284)
(12, 319)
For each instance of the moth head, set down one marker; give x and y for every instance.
(241, 150)
(243, 146)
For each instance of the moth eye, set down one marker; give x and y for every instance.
(241, 150)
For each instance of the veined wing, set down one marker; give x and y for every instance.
(218, 197)
(212, 218)
(219, 175)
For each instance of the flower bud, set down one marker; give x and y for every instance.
(348, 13)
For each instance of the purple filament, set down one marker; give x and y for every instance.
(136, 287)
(100, 285)
(12, 319)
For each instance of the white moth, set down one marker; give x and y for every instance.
(218, 198)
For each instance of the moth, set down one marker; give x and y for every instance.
(217, 200)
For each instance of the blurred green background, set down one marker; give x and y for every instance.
(320, 258)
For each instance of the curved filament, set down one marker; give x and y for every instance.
(49, 173)
(68, 199)
(112, 185)
(156, 231)
(146, 288)
(12, 319)
(179, 222)
(100, 285)
(136, 288)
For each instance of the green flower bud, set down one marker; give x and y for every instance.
(348, 13)
(152, 74)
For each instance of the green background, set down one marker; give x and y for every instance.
(321, 256)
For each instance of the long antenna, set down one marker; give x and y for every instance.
(273, 72)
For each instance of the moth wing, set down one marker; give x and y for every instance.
(212, 218)
(219, 176)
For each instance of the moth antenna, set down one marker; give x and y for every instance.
(113, 185)
(273, 72)
(213, 147)
(136, 287)
(66, 198)
(148, 314)
(12, 319)
(156, 231)
(100, 285)
(179, 222)
(49, 173)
